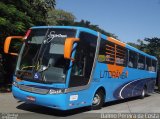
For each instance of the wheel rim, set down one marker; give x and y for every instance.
(143, 93)
(96, 100)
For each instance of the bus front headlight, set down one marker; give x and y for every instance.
(56, 91)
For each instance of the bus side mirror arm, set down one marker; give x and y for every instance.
(68, 47)
(7, 44)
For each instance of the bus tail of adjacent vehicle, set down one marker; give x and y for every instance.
(66, 67)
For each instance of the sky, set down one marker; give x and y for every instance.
(130, 20)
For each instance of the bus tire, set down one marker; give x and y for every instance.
(143, 93)
(98, 100)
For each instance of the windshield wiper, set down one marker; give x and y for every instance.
(36, 58)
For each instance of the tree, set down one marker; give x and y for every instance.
(133, 44)
(60, 17)
(88, 24)
(153, 47)
(139, 45)
(17, 16)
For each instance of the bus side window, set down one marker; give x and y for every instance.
(84, 59)
(148, 64)
(141, 62)
(102, 52)
(106, 52)
(79, 63)
(121, 55)
(154, 65)
(110, 52)
(132, 59)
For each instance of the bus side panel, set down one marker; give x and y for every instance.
(84, 97)
(115, 88)
(101, 78)
(78, 99)
(129, 85)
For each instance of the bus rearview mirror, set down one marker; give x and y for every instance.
(68, 47)
(11, 43)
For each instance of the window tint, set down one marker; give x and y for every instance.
(84, 58)
(151, 65)
(154, 65)
(111, 53)
(102, 51)
(121, 55)
(148, 64)
(132, 63)
(141, 62)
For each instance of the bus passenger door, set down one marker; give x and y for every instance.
(84, 58)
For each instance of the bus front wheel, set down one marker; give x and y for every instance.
(98, 100)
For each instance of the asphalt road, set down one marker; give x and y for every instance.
(9, 107)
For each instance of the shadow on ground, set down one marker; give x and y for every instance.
(50, 111)
(122, 101)
(58, 113)
(157, 91)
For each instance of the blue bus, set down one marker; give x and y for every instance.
(66, 67)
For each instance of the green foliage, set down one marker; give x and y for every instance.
(139, 45)
(134, 45)
(60, 17)
(88, 24)
(153, 47)
(17, 16)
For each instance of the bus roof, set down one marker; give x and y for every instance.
(95, 33)
(68, 27)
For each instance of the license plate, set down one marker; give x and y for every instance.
(30, 98)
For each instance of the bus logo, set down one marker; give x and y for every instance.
(114, 74)
(53, 35)
(36, 76)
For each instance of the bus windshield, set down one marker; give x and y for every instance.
(43, 55)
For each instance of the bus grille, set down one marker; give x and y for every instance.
(33, 89)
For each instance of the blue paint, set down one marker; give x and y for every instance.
(116, 88)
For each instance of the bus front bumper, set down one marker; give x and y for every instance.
(57, 101)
